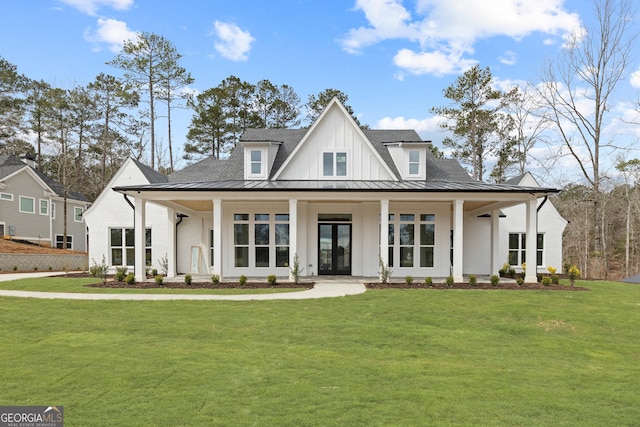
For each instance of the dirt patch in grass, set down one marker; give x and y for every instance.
(482, 286)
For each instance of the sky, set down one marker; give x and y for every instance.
(392, 58)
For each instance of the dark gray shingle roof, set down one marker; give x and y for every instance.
(11, 164)
(153, 176)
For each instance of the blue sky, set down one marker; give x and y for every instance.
(392, 58)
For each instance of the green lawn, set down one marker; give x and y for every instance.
(76, 285)
(384, 358)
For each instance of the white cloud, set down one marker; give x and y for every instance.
(635, 79)
(90, 7)
(509, 58)
(111, 32)
(420, 125)
(437, 63)
(446, 31)
(232, 42)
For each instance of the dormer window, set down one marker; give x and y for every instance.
(256, 162)
(414, 162)
(334, 164)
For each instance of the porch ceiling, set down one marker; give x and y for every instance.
(196, 205)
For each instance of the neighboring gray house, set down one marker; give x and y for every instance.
(335, 197)
(31, 207)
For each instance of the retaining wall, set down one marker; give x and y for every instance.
(43, 262)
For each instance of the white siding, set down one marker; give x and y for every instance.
(112, 210)
(335, 133)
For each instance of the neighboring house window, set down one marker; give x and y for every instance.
(60, 241)
(256, 162)
(44, 207)
(1, 229)
(264, 235)
(77, 214)
(408, 244)
(334, 164)
(518, 249)
(414, 162)
(6, 196)
(122, 242)
(27, 204)
(53, 210)
(241, 239)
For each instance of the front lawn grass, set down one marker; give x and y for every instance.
(76, 285)
(383, 358)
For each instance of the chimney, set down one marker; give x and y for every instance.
(29, 160)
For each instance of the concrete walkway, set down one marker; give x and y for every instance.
(321, 289)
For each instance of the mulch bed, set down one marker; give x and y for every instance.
(202, 285)
(482, 286)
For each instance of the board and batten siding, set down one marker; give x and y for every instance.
(336, 134)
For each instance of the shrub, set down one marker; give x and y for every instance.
(164, 264)
(121, 272)
(242, 280)
(215, 279)
(295, 270)
(272, 279)
(159, 279)
(408, 280)
(520, 281)
(130, 279)
(449, 281)
(35, 268)
(428, 281)
(546, 280)
(15, 268)
(555, 279)
(551, 270)
(385, 271)
(494, 279)
(573, 273)
(506, 268)
(99, 270)
(473, 280)
(188, 279)
(154, 272)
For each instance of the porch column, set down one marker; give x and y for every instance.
(139, 270)
(495, 242)
(458, 230)
(384, 232)
(532, 237)
(217, 237)
(293, 235)
(171, 243)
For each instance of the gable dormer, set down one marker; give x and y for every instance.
(410, 159)
(258, 158)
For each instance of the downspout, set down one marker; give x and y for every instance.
(181, 216)
(542, 204)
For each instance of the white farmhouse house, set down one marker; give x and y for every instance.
(341, 198)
